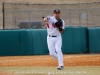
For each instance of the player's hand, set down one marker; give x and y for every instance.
(45, 19)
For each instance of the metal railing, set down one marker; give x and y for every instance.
(1, 24)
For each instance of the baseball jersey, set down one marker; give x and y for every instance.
(51, 27)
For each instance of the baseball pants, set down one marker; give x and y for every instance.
(54, 46)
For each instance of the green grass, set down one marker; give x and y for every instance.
(86, 70)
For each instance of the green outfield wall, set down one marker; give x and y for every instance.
(94, 39)
(2, 43)
(74, 40)
(33, 41)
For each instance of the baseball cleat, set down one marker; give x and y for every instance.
(60, 68)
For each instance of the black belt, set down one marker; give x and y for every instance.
(52, 36)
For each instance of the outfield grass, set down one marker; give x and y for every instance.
(81, 70)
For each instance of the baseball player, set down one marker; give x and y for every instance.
(55, 27)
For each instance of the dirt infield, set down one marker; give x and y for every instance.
(46, 60)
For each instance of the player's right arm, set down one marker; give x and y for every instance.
(45, 19)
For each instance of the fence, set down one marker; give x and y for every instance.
(84, 14)
(1, 19)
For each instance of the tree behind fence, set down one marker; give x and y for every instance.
(84, 14)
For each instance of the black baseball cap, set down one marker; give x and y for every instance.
(56, 11)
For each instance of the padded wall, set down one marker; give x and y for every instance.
(94, 39)
(34, 41)
(2, 43)
(74, 40)
(83, 39)
(26, 42)
(43, 41)
(67, 40)
(12, 42)
(39, 41)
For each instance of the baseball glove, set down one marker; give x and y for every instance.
(59, 24)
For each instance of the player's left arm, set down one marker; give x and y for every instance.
(63, 27)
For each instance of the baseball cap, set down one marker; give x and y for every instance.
(56, 11)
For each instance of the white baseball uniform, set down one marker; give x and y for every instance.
(54, 40)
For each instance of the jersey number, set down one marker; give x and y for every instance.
(49, 26)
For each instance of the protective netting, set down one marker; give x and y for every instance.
(84, 14)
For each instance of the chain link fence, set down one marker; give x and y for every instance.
(23, 15)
